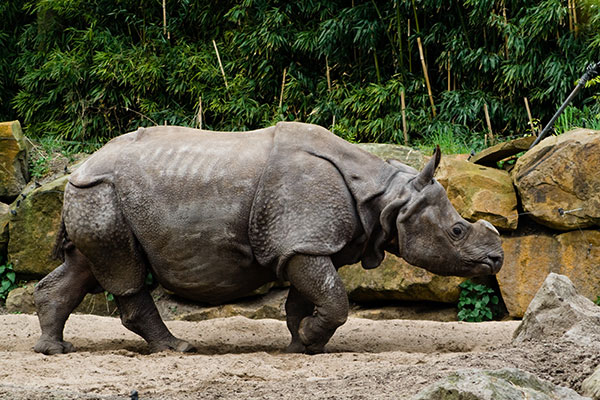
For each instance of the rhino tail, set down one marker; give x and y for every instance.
(62, 242)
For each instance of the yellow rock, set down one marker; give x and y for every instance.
(479, 192)
(561, 173)
(13, 160)
(529, 259)
(395, 279)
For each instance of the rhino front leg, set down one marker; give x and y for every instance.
(317, 281)
(139, 315)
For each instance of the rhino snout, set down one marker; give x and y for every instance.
(494, 261)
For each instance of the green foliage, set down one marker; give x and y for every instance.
(8, 280)
(477, 302)
(597, 301)
(86, 71)
(573, 117)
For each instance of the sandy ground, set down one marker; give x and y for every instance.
(239, 358)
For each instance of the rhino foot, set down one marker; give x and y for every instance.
(49, 347)
(296, 347)
(173, 345)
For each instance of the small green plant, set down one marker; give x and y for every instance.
(8, 280)
(597, 301)
(39, 166)
(477, 302)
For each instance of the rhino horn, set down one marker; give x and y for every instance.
(426, 175)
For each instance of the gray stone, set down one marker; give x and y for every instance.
(591, 385)
(503, 384)
(558, 311)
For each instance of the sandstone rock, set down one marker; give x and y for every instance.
(97, 304)
(558, 311)
(271, 305)
(529, 259)
(21, 300)
(395, 279)
(13, 160)
(33, 229)
(405, 155)
(479, 192)
(502, 384)
(4, 218)
(490, 156)
(420, 311)
(561, 173)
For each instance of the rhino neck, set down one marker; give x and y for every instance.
(383, 209)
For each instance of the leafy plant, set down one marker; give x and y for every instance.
(597, 301)
(87, 71)
(477, 302)
(7, 280)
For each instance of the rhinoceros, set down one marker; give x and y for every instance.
(214, 215)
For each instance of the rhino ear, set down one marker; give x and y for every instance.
(426, 175)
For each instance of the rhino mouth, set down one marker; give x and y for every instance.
(488, 266)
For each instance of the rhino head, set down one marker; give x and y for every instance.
(432, 235)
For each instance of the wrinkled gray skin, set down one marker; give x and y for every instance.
(214, 215)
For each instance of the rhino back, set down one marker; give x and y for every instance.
(187, 196)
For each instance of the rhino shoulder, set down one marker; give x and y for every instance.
(100, 166)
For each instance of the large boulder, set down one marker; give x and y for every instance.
(558, 180)
(406, 155)
(33, 229)
(530, 258)
(558, 311)
(395, 279)
(502, 384)
(479, 192)
(13, 160)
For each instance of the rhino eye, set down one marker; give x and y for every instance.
(457, 231)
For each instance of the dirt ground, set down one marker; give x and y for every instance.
(240, 358)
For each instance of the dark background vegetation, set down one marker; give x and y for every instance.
(87, 70)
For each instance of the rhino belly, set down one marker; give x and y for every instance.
(204, 257)
(188, 204)
(213, 280)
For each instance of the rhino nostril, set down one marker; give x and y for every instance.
(495, 259)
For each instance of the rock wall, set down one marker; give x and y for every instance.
(565, 242)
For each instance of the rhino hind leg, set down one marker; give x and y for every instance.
(57, 295)
(139, 315)
(316, 281)
(296, 309)
(97, 227)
